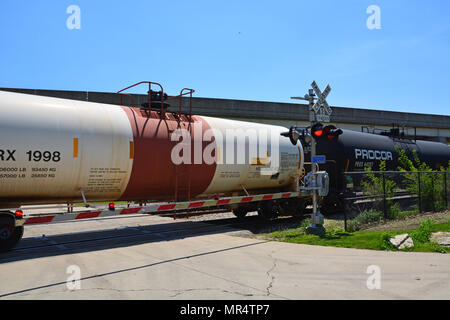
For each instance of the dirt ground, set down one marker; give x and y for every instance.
(408, 222)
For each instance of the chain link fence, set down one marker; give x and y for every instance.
(395, 194)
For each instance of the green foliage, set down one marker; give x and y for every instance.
(353, 226)
(423, 232)
(334, 230)
(437, 248)
(385, 242)
(305, 224)
(365, 239)
(402, 214)
(395, 211)
(367, 217)
(373, 184)
(432, 185)
(415, 176)
(377, 184)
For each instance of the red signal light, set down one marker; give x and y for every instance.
(318, 133)
(330, 131)
(317, 130)
(19, 214)
(112, 206)
(334, 134)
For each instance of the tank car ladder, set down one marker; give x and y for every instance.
(184, 170)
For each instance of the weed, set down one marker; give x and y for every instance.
(367, 217)
(394, 211)
(385, 242)
(305, 224)
(423, 232)
(334, 230)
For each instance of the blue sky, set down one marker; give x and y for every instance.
(252, 50)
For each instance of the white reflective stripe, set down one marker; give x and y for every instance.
(211, 203)
(182, 206)
(258, 198)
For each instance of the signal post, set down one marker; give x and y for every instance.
(316, 182)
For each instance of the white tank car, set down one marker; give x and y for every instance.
(53, 150)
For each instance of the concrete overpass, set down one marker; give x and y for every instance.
(425, 126)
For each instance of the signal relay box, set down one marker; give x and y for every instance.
(319, 181)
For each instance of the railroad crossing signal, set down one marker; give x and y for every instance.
(318, 112)
(321, 108)
(318, 131)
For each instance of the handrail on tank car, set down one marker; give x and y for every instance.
(149, 94)
(183, 93)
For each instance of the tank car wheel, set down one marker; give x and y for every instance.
(10, 235)
(240, 213)
(268, 210)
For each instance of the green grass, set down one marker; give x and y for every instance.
(369, 239)
(407, 213)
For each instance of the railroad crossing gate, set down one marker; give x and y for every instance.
(321, 108)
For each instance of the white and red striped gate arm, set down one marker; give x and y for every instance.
(153, 208)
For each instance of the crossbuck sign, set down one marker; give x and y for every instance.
(321, 108)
